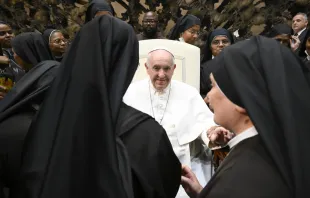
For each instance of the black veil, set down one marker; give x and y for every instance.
(73, 149)
(217, 32)
(96, 6)
(31, 47)
(19, 106)
(272, 84)
(183, 23)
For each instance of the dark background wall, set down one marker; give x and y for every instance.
(245, 17)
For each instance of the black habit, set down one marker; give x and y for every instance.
(205, 68)
(302, 37)
(47, 34)
(18, 109)
(97, 6)
(272, 84)
(85, 141)
(19, 106)
(302, 48)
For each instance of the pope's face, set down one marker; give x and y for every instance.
(160, 69)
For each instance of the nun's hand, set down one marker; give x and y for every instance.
(189, 182)
(219, 135)
(295, 42)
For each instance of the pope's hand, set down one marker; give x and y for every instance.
(189, 182)
(219, 135)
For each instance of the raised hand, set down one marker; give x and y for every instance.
(189, 182)
(295, 42)
(219, 135)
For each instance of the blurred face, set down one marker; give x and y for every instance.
(21, 62)
(149, 23)
(218, 44)
(224, 110)
(58, 43)
(284, 39)
(308, 46)
(299, 23)
(190, 35)
(6, 35)
(160, 69)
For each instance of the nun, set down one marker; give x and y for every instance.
(262, 95)
(98, 8)
(57, 43)
(86, 142)
(19, 107)
(217, 40)
(186, 29)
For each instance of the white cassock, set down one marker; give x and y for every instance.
(185, 117)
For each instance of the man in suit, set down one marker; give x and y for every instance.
(299, 26)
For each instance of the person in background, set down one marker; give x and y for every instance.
(98, 8)
(85, 141)
(19, 107)
(282, 33)
(299, 26)
(217, 40)
(150, 27)
(6, 36)
(261, 94)
(186, 29)
(7, 62)
(305, 47)
(57, 43)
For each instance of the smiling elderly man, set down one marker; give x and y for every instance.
(178, 107)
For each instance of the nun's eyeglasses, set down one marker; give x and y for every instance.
(58, 41)
(218, 42)
(2, 33)
(193, 32)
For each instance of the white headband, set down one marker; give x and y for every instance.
(49, 38)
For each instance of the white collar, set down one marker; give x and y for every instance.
(301, 31)
(308, 55)
(154, 91)
(248, 133)
(181, 40)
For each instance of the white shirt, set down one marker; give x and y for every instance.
(180, 110)
(248, 133)
(308, 55)
(301, 31)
